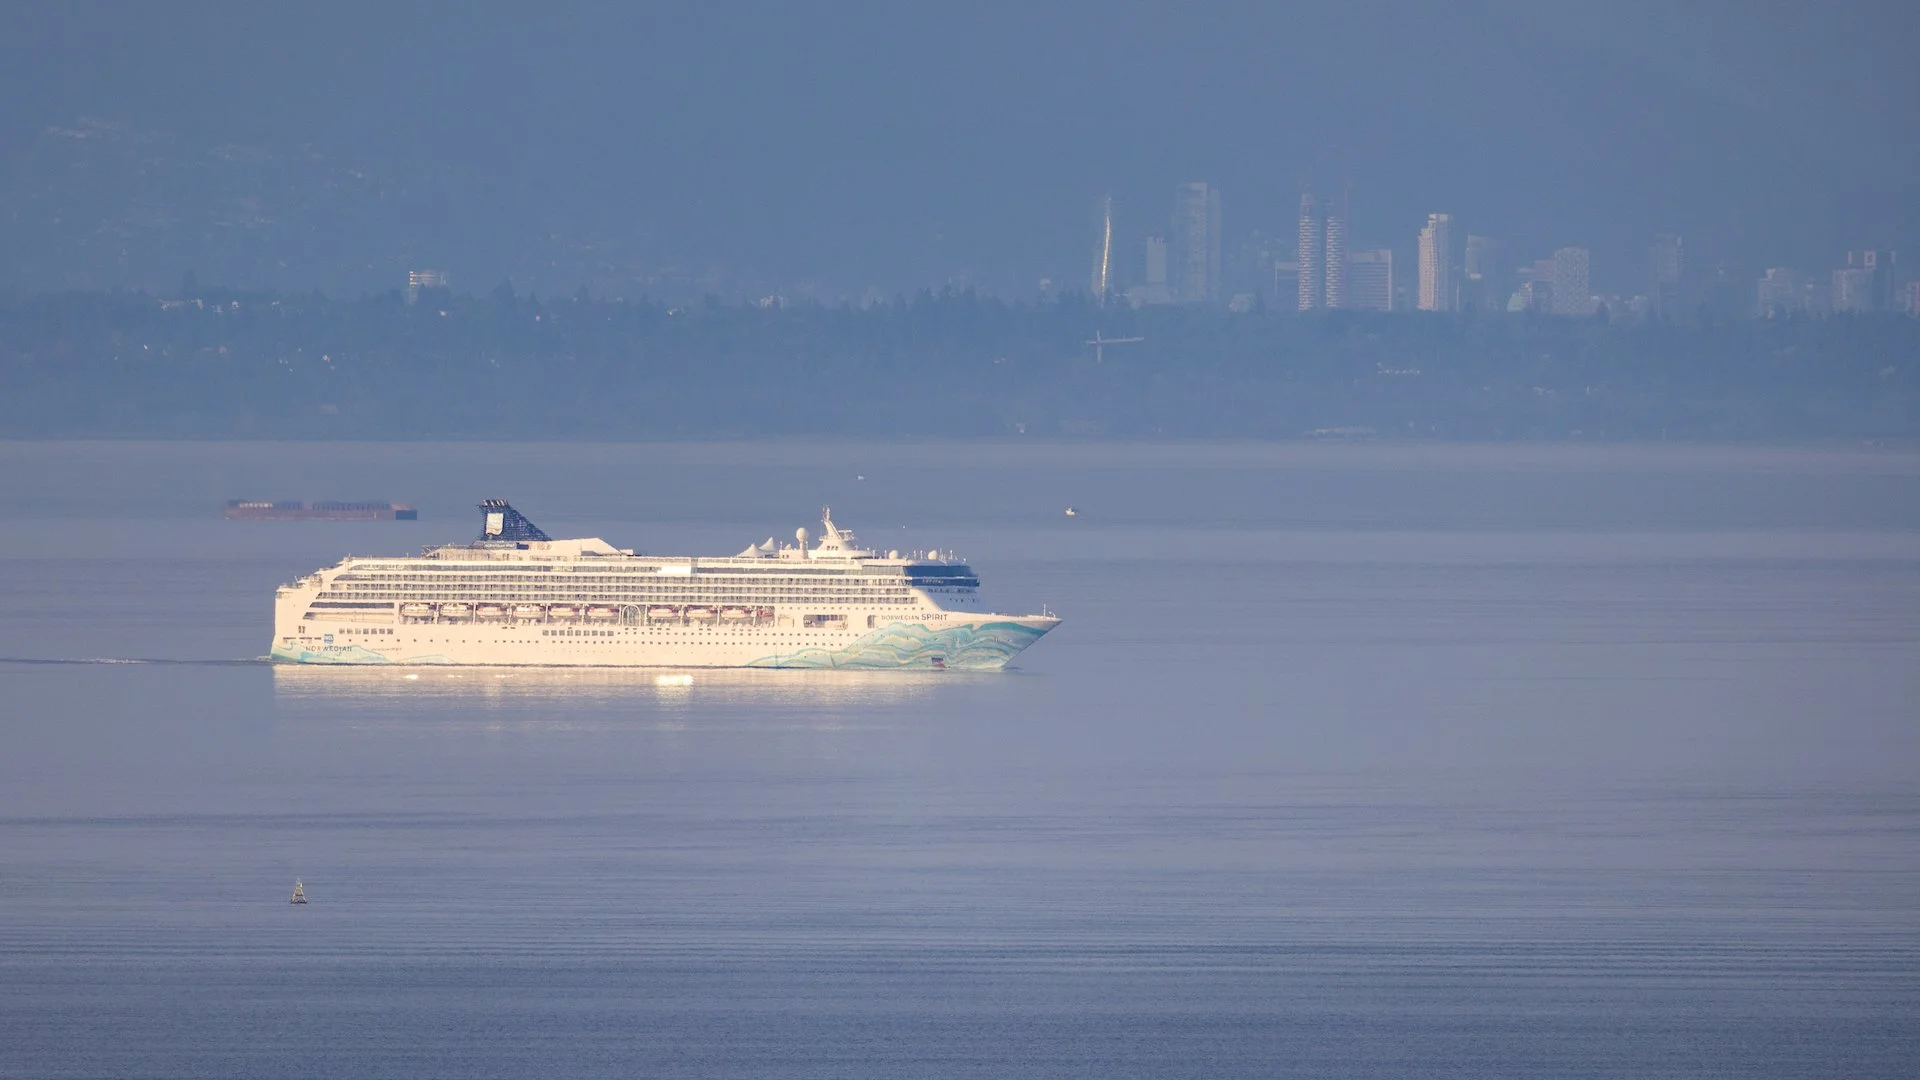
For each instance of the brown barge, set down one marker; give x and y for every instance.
(261, 510)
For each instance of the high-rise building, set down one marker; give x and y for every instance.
(1157, 261)
(1482, 285)
(1320, 252)
(1101, 285)
(1153, 290)
(1249, 265)
(1534, 295)
(1667, 261)
(1481, 252)
(1308, 262)
(1866, 284)
(1370, 280)
(1782, 291)
(1852, 290)
(1437, 292)
(1335, 254)
(1196, 243)
(1572, 295)
(419, 281)
(1286, 282)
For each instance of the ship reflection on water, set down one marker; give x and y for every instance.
(397, 687)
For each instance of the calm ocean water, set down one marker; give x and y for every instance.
(1348, 762)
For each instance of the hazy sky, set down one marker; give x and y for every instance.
(907, 143)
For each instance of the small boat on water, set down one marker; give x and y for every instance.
(299, 892)
(1071, 512)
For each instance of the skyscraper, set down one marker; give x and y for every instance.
(1335, 254)
(1370, 280)
(1320, 252)
(1781, 292)
(1572, 295)
(1102, 283)
(1482, 286)
(1196, 243)
(1667, 258)
(1866, 284)
(1286, 282)
(1307, 256)
(1534, 295)
(1437, 291)
(1154, 289)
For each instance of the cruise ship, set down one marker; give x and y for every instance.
(515, 596)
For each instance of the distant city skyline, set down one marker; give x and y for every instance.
(1183, 256)
(679, 150)
(1323, 274)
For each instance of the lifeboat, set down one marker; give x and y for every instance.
(528, 611)
(416, 611)
(455, 611)
(765, 613)
(602, 611)
(663, 612)
(704, 614)
(563, 611)
(489, 611)
(735, 614)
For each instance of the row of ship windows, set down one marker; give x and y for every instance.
(734, 635)
(744, 638)
(717, 598)
(626, 596)
(729, 579)
(590, 583)
(630, 590)
(759, 571)
(649, 589)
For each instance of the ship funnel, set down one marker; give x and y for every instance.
(499, 521)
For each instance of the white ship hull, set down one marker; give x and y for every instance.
(518, 598)
(958, 643)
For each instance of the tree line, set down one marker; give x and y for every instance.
(232, 364)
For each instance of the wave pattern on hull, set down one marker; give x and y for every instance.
(968, 647)
(346, 654)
